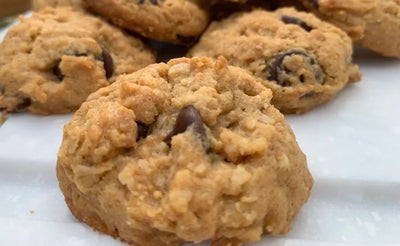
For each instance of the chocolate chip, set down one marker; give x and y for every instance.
(277, 68)
(26, 102)
(57, 71)
(154, 2)
(142, 130)
(296, 21)
(186, 40)
(187, 116)
(108, 63)
(140, 1)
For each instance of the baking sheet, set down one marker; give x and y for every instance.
(353, 149)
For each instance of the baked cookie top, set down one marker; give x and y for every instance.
(374, 24)
(176, 21)
(51, 62)
(185, 151)
(41, 4)
(303, 60)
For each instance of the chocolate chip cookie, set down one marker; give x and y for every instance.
(176, 21)
(51, 62)
(185, 151)
(374, 24)
(303, 60)
(41, 4)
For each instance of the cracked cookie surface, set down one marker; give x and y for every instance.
(51, 62)
(190, 150)
(303, 60)
(176, 21)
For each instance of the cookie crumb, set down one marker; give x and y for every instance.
(269, 228)
(221, 63)
(31, 211)
(157, 194)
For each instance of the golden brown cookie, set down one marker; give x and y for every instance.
(176, 21)
(51, 62)
(303, 60)
(185, 151)
(41, 4)
(374, 24)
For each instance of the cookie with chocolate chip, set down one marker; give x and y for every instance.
(374, 24)
(176, 21)
(41, 4)
(190, 150)
(51, 62)
(303, 60)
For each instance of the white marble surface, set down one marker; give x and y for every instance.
(353, 149)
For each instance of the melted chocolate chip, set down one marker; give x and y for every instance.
(154, 2)
(26, 102)
(140, 1)
(108, 63)
(187, 117)
(277, 67)
(142, 130)
(296, 21)
(57, 71)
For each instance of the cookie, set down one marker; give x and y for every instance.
(176, 21)
(185, 151)
(51, 62)
(41, 4)
(303, 60)
(374, 24)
